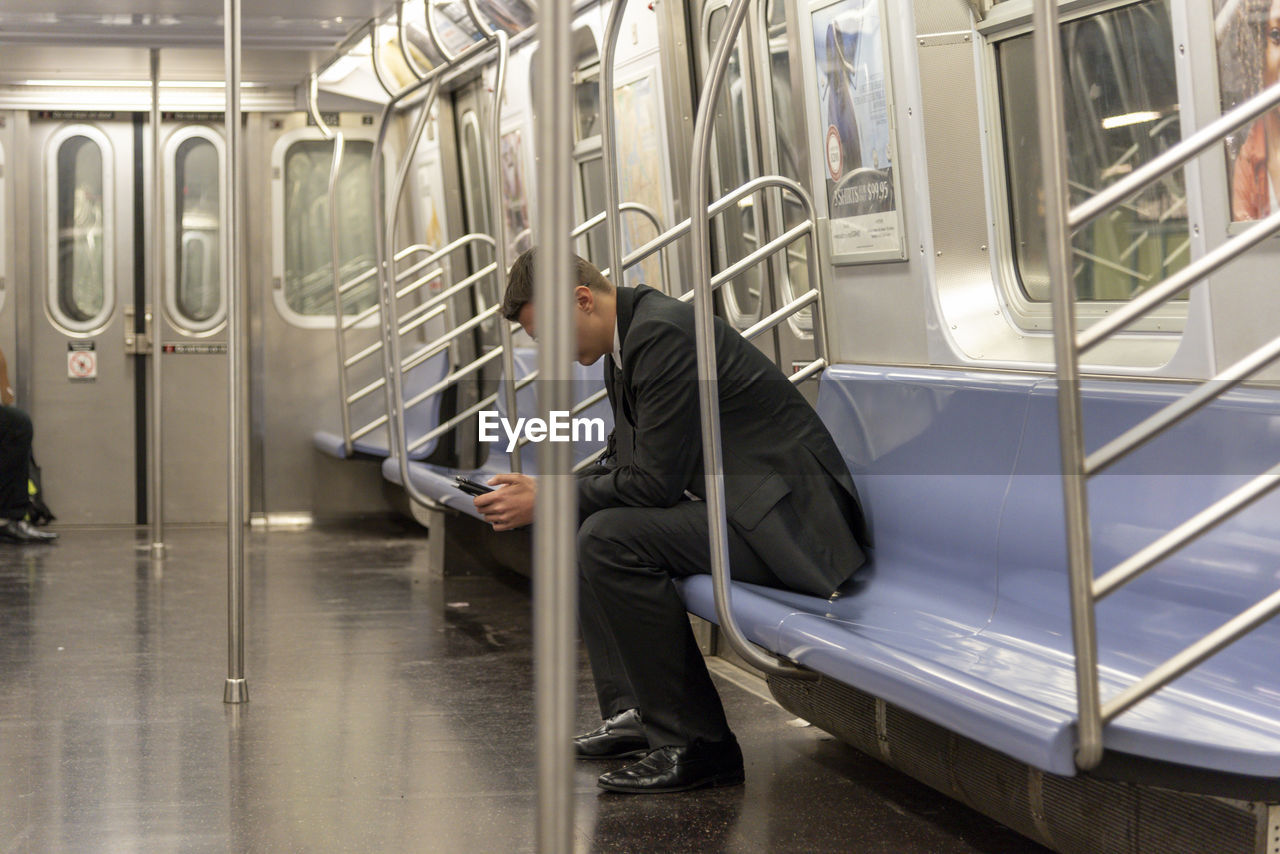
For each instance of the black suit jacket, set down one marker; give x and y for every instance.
(787, 490)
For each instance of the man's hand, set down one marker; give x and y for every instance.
(6, 396)
(511, 506)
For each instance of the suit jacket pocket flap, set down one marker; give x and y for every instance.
(759, 501)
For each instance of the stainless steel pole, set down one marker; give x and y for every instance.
(155, 502)
(1053, 162)
(335, 265)
(610, 143)
(555, 590)
(237, 688)
(500, 233)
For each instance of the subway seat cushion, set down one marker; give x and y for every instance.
(961, 615)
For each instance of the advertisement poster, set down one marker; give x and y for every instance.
(641, 168)
(514, 197)
(1248, 33)
(857, 146)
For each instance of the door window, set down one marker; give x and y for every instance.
(194, 290)
(81, 292)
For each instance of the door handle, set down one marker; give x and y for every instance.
(136, 344)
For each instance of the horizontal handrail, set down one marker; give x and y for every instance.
(1207, 519)
(1206, 393)
(767, 323)
(1177, 283)
(1209, 135)
(588, 460)
(1192, 655)
(370, 427)
(807, 371)
(356, 397)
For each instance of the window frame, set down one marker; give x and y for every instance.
(53, 146)
(215, 324)
(1027, 315)
(279, 149)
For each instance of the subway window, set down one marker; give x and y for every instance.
(80, 293)
(1121, 111)
(308, 277)
(195, 294)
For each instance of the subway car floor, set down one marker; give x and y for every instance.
(389, 711)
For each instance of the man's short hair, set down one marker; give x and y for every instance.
(520, 282)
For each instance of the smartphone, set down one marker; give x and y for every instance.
(471, 487)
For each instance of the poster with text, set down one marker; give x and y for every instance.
(857, 147)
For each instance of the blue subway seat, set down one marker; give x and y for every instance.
(418, 420)
(961, 615)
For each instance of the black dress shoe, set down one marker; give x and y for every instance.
(620, 736)
(678, 769)
(22, 531)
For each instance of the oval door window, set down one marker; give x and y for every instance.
(194, 292)
(81, 234)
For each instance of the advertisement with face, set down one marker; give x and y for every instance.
(1248, 33)
(855, 118)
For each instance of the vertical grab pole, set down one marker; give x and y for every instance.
(237, 689)
(500, 233)
(555, 563)
(612, 221)
(156, 502)
(335, 166)
(1048, 48)
(335, 261)
(704, 329)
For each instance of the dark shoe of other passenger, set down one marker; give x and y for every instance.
(22, 531)
(678, 769)
(620, 736)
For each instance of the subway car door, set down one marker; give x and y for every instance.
(193, 319)
(93, 327)
(85, 398)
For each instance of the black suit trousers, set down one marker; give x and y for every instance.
(639, 641)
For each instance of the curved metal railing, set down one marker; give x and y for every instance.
(704, 313)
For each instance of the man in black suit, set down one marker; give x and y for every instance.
(794, 520)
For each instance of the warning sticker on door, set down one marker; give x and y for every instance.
(82, 362)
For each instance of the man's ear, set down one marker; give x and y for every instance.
(584, 298)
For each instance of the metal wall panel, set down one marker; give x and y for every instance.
(84, 430)
(294, 373)
(875, 311)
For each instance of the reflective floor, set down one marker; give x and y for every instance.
(388, 712)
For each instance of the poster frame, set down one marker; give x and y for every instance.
(818, 134)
